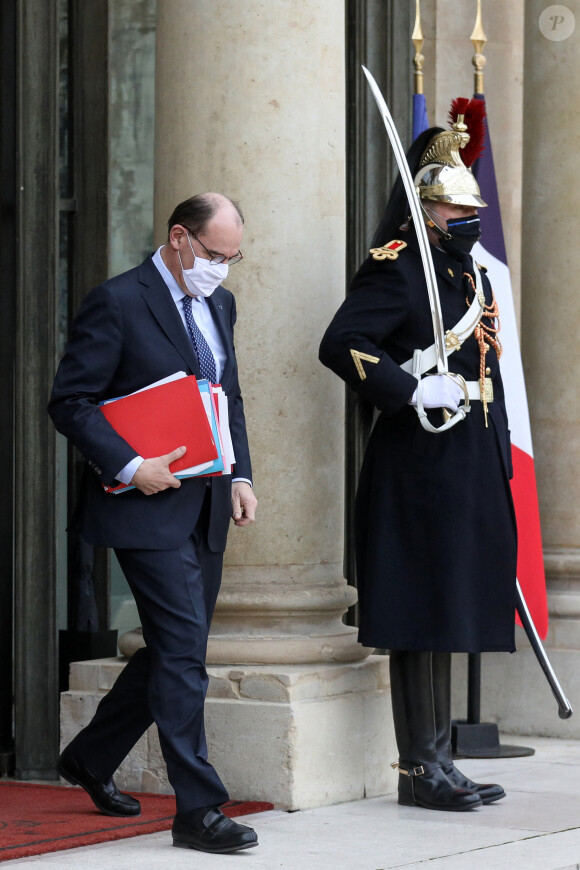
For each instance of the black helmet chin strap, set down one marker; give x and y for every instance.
(443, 234)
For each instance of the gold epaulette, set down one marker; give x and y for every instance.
(390, 251)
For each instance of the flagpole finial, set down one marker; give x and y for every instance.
(417, 39)
(478, 38)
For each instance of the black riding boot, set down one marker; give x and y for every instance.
(422, 781)
(441, 665)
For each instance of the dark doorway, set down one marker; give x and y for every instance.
(378, 35)
(7, 345)
(53, 199)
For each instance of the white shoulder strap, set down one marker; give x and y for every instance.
(455, 337)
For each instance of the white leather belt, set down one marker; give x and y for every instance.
(474, 391)
(455, 337)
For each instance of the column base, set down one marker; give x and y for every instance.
(298, 736)
(276, 650)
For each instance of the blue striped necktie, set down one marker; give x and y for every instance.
(200, 345)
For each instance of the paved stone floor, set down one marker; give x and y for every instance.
(537, 827)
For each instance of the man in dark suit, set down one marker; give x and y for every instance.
(169, 314)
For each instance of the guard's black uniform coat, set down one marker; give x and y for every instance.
(435, 534)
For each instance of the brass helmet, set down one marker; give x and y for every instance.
(444, 174)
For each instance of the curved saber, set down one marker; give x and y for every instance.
(564, 706)
(414, 205)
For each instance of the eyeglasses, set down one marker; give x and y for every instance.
(216, 259)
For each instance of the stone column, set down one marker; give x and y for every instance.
(515, 693)
(250, 101)
(230, 121)
(551, 305)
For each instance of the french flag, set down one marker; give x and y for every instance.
(420, 119)
(490, 252)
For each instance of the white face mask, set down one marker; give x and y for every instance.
(203, 279)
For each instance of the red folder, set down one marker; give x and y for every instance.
(157, 420)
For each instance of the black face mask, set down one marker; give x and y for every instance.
(464, 232)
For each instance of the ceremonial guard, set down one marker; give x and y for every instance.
(435, 525)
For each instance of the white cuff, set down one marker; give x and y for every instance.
(127, 473)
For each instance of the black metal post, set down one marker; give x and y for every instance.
(472, 738)
(474, 688)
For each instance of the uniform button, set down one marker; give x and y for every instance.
(488, 371)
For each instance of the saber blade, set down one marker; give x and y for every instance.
(415, 206)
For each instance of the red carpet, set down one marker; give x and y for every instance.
(45, 818)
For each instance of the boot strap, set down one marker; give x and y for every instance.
(420, 770)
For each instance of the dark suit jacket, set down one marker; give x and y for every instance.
(127, 334)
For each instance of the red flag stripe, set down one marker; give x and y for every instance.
(530, 555)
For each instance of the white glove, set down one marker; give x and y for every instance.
(439, 391)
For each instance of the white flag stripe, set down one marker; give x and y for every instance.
(512, 371)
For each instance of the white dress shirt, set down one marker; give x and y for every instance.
(201, 314)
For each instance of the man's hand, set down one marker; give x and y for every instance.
(244, 503)
(153, 475)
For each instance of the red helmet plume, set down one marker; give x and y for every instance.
(473, 112)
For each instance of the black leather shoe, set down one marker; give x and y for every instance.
(105, 795)
(426, 785)
(211, 831)
(488, 791)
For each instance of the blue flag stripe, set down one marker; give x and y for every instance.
(420, 119)
(491, 225)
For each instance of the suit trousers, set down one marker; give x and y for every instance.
(175, 591)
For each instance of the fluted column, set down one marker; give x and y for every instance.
(550, 300)
(250, 101)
